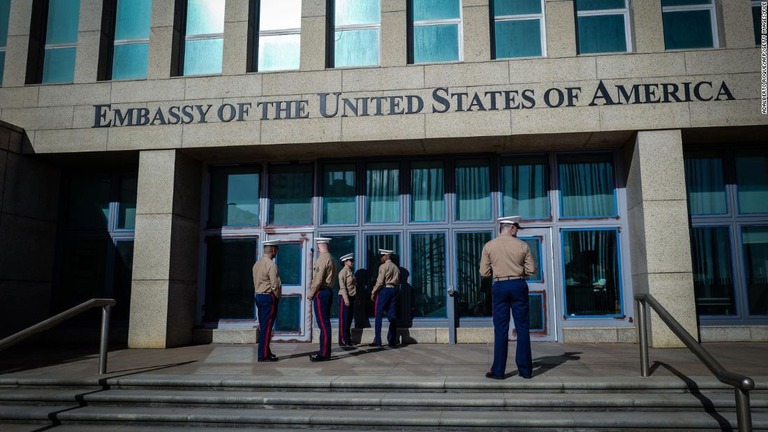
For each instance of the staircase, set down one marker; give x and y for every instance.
(170, 402)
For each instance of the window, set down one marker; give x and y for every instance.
(60, 41)
(427, 192)
(689, 24)
(436, 32)
(339, 205)
(428, 275)
(355, 33)
(705, 183)
(374, 242)
(341, 244)
(587, 186)
(279, 35)
(130, 49)
(383, 192)
(474, 290)
(290, 194)
(752, 181)
(5, 13)
(473, 190)
(234, 197)
(525, 187)
(229, 283)
(602, 26)
(518, 29)
(756, 20)
(755, 240)
(712, 271)
(203, 37)
(591, 272)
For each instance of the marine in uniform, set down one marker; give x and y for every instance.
(383, 294)
(347, 292)
(268, 289)
(321, 296)
(508, 260)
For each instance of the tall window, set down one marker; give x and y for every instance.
(279, 35)
(705, 183)
(60, 41)
(473, 190)
(428, 275)
(756, 20)
(436, 32)
(592, 272)
(755, 240)
(474, 290)
(5, 12)
(204, 37)
(356, 32)
(130, 48)
(525, 187)
(712, 271)
(290, 194)
(752, 181)
(602, 26)
(689, 24)
(228, 281)
(339, 205)
(587, 186)
(383, 192)
(427, 191)
(234, 197)
(518, 29)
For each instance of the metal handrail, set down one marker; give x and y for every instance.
(741, 384)
(105, 304)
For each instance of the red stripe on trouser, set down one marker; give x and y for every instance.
(322, 324)
(341, 319)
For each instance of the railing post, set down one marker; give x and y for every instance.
(743, 411)
(105, 312)
(642, 328)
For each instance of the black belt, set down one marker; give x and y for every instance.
(506, 278)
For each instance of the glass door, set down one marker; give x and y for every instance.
(541, 293)
(294, 261)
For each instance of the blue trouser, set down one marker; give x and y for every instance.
(267, 307)
(511, 294)
(385, 300)
(322, 306)
(345, 320)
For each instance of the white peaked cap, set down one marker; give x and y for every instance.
(347, 257)
(319, 240)
(509, 220)
(385, 252)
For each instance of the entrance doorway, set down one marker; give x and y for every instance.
(294, 261)
(542, 302)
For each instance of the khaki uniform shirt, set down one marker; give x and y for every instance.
(266, 278)
(506, 256)
(347, 283)
(389, 275)
(323, 274)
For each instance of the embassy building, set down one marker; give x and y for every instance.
(149, 147)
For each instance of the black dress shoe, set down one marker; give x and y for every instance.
(492, 376)
(374, 344)
(526, 376)
(267, 359)
(393, 345)
(317, 358)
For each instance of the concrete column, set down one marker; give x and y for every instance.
(736, 21)
(394, 33)
(477, 33)
(88, 39)
(560, 19)
(161, 33)
(236, 37)
(647, 26)
(29, 205)
(313, 35)
(165, 261)
(658, 230)
(15, 73)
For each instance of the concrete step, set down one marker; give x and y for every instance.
(372, 419)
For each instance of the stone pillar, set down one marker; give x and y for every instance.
(658, 230)
(17, 47)
(477, 33)
(736, 27)
(165, 261)
(394, 33)
(88, 40)
(648, 28)
(29, 205)
(236, 37)
(161, 35)
(313, 35)
(560, 19)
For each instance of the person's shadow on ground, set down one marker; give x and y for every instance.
(543, 365)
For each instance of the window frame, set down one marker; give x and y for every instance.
(258, 34)
(625, 12)
(185, 38)
(413, 24)
(710, 7)
(334, 27)
(519, 17)
(110, 22)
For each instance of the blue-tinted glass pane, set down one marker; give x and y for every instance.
(435, 43)
(289, 314)
(427, 192)
(435, 9)
(339, 194)
(518, 7)
(428, 275)
(59, 65)
(228, 282)
(665, 3)
(474, 290)
(534, 244)
(127, 214)
(712, 275)
(689, 29)
(89, 203)
(279, 52)
(205, 17)
(518, 38)
(601, 34)
(756, 23)
(587, 5)
(129, 61)
(755, 240)
(290, 195)
(340, 246)
(372, 245)
(592, 272)
(203, 56)
(356, 48)
(537, 314)
(383, 192)
(63, 16)
(289, 261)
(132, 20)
(587, 186)
(705, 183)
(525, 187)
(348, 12)
(279, 14)
(2, 66)
(234, 197)
(752, 182)
(5, 11)
(473, 190)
